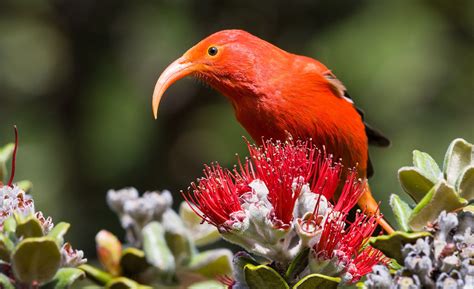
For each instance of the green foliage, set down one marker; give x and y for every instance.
(32, 249)
(164, 246)
(263, 277)
(434, 189)
(391, 245)
(64, 278)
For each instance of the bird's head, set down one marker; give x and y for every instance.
(227, 60)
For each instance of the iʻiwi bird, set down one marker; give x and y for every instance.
(275, 93)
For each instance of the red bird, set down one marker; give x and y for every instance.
(275, 92)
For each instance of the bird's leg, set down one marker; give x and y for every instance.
(370, 206)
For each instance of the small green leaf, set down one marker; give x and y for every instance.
(465, 184)
(317, 281)
(98, 276)
(457, 158)
(207, 285)
(36, 259)
(391, 245)
(263, 277)
(133, 262)
(29, 227)
(427, 165)
(212, 263)
(64, 278)
(414, 182)
(5, 282)
(202, 233)
(401, 210)
(156, 250)
(58, 232)
(441, 197)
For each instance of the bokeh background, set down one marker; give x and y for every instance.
(77, 78)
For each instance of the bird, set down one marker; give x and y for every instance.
(276, 93)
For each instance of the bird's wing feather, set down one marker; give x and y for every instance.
(374, 136)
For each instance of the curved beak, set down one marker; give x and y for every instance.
(180, 68)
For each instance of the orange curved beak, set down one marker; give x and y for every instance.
(180, 68)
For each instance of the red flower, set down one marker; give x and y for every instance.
(349, 243)
(283, 167)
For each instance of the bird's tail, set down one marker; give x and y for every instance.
(371, 206)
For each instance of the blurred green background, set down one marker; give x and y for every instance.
(77, 78)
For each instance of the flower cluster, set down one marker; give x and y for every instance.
(445, 260)
(281, 201)
(136, 212)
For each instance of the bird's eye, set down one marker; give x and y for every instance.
(212, 51)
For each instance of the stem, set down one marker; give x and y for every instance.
(12, 175)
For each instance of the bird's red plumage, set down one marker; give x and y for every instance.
(275, 93)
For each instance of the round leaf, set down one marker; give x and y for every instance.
(36, 259)
(414, 182)
(263, 277)
(30, 227)
(457, 158)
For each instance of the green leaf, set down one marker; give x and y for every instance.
(36, 259)
(29, 227)
(263, 277)
(391, 245)
(156, 250)
(297, 265)
(465, 184)
(317, 281)
(133, 262)
(457, 158)
(208, 285)
(64, 278)
(201, 233)
(124, 283)
(212, 263)
(5, 282)
(414, 182)
(441, 197)
(177, 237)
(58, 232)
(98, 276)
(427, 165)
(401, 210)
